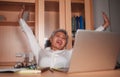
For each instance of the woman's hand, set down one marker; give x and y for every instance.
(106, 20)
(21, 12)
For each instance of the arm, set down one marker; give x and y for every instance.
(31, 38)
(105, 24)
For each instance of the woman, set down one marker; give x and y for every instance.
(55, 56)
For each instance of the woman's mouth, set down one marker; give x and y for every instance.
(59, 42)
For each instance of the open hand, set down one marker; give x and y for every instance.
(21, 12)
(106, 20)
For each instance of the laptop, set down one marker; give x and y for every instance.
(94, 51)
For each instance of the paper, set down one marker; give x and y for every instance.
(29, 71)
(19, 70)
(9, 70)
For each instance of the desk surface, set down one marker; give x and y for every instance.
(110, 73)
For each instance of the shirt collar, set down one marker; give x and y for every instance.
(57, 51)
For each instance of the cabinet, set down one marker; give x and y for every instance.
(13, 42)
(45, 16)
(54, 14)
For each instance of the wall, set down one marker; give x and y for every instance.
(111, 8)
(115, 15)
(100, 6)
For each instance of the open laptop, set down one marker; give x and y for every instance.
(94, 51)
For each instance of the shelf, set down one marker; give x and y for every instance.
(5, 23)
(77, 7)
(51, 5)
(31, 23)
(9, 23)
(16, 7)
(25, 1)
(77, 1)
(11, 12)
(7, 63)
(53, 0)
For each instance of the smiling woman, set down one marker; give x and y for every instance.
(58, 39)
(55, 56)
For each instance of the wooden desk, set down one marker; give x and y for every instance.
(111, 73)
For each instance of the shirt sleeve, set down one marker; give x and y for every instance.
(70, 54)
(31, 38)
(101, 28)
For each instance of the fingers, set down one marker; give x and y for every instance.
(105, 17)
(21, 12)
(106, 20)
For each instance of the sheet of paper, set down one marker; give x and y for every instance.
(18, 70)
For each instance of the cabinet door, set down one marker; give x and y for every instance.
(78, 9)
(12, 38)
(39, 18)
(89, 14)
(55, 14)
(83, 8)
(50, 15)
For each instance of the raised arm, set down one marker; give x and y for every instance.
(31, 38)
(105, 24)
(106, 20)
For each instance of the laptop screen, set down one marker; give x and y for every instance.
(94, 51)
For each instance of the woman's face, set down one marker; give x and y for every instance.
(58, 41)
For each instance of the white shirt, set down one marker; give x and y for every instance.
(54, 59)
(47, 57)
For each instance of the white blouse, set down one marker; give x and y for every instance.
(54, 59)
(47, 57)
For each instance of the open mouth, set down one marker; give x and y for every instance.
(59, 42)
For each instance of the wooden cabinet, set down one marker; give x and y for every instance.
(13, 42)
(78, 8)
(45, 16)
(54, 14)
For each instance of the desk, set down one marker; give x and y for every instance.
(110, 73)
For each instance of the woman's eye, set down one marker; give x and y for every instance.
(60, 36)
(57, 36)
(64, 38)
